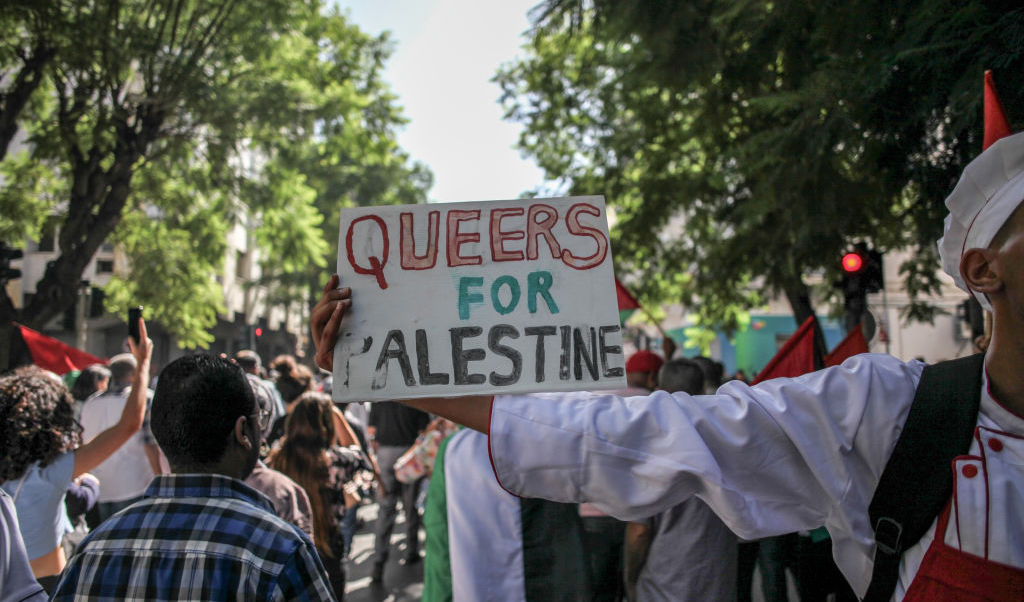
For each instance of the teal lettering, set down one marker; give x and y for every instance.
(513, 287)
(539, 283)
(466, 297)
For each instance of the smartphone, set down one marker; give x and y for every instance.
(134, 314)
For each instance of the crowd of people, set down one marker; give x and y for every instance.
(879, 478)
(99, 453)
(109, 487)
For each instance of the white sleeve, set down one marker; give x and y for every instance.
(786, 455)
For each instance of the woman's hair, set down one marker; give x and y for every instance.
(88, 381)
(37, 423)
(309, 431)
(292, 379)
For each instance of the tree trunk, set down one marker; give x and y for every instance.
(799, 298)
(14, 100)
(8, 314)
(95, 208)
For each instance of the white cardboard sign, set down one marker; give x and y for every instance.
(486, 297)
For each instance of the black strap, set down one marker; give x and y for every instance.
(918, 481)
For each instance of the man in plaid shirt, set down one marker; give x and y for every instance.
(199, 533)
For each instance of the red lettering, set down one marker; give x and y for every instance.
(572, 222)
(376, 264)
(536, 228)
(407, 243)
(456, 239)
(499, 236)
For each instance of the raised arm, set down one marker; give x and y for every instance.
(93, 453)
(343, 433)
(326, 321)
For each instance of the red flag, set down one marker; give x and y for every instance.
(852, 345)
(627, 302)
(795, 358)
(996, 125)
(50, 354)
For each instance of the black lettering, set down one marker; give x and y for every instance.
(540, 332)
(580, 352)
(606, 349)
(387, 353)
(423, 362)
(563, 362)
(461, 358)
(498, 332)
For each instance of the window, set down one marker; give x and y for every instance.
(105, 266)
(241, 259)
(48, 240)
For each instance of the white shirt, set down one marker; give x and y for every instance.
(126, 473)
(485, 529)
(786, 455)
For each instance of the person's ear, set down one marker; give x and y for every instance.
(980, 271)
(242, 437)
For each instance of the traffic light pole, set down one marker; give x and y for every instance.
(885, 319)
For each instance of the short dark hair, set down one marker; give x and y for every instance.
(713, 371)
(198, 399)
(683, 375)
(88, 381)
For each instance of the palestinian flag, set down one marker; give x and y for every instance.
(483, 543)
(627, 302)
(853, 344)
(50, 354)
(796, 356)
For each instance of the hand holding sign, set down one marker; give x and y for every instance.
(470, 298)
(325, 320)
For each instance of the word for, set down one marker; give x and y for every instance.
(537, 283)
(463, 227)
(583, 352)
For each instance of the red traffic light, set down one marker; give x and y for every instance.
(852, 262)
(258, 332)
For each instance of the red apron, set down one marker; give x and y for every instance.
(949, 574)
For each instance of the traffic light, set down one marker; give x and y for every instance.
(258, 332)
(7, 255)
(862, 271)
(862, 274)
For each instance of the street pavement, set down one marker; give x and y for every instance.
(401, 582)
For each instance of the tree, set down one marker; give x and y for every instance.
(778, 133)
(159, 124)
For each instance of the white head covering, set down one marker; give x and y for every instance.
(989, 190)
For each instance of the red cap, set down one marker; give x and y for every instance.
(644, 361)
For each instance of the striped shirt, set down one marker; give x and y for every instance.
(196, 537)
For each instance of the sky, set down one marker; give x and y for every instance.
(446, 52)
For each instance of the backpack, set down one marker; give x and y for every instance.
(917, 480)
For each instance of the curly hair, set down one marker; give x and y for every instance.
(37, 423)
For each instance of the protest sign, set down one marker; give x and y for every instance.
(477, 298)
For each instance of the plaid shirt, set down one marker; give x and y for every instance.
(196, 537)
